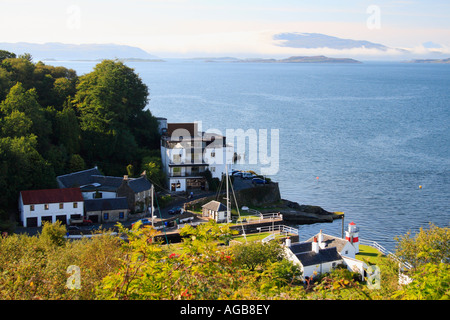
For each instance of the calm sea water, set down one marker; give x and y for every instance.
(355, 138)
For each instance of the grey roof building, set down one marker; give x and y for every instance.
(107, 209)
(93, 184)
(106, 204)
(78, 179)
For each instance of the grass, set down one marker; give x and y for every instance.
(256, 236)
(369, 254)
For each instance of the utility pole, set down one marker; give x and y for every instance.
(152, 189)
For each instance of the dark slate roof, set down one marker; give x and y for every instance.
(51, 196)
(139, 184)
(92, 179)
(324, 255)
(105, 183)
(78, 179)
(105, 204)
(215, 206)
(301, 247)
(331, 241)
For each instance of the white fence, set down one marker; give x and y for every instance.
(280, 228)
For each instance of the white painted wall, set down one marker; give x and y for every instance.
(105, 195)
(53, 211)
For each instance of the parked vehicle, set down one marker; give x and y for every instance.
(237, 174)
(176, 210)
(259, 181)
(247, 175)
(145, 222)
(81, 221)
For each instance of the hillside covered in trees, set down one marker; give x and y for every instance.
(54, 122)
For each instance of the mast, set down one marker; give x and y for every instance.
(228, 195)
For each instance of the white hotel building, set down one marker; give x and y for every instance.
(186, 153)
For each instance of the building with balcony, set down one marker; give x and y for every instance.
(187, 153)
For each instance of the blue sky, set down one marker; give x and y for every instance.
(190, 27)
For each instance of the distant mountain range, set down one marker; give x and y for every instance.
(295, 59)
(318, 40)
(61, 51)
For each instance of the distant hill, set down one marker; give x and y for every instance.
(61, 51)
(318, 59)
(318, 40)
(430, 61)
(295, 59)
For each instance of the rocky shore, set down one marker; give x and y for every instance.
(295, 213)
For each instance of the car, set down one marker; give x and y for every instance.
(145, 222)
(237, 174)
(248, 175)
(176, 210)
(259, 181)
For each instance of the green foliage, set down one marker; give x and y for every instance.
(255, 255)
(35, 267)
(428, 246)
(53, 122)
(430, 282)
(53, 233)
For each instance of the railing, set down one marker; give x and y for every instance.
(384, 251)
(280, 228)
(262, 216)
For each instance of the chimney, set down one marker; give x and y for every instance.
(315, 245)
(288, 242)
(320, 240)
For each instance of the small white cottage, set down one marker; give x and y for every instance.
(215, 210)
(322, 253)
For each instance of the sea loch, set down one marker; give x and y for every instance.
(358, 138)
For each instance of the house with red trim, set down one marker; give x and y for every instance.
(322, 253)
(37, 206)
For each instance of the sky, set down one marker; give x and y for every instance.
(171, 28)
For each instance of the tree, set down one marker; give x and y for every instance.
(25, 102)
(76, 163)
(22, 168)
(110, 97)
(429, 282)
(430, 245)
(110, 101)
(53, 233)
(255, 255)
(67, 130)
(6, 55)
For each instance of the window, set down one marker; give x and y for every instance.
(105, 216)
(45, 206)
(121, 215)
(31, 207)
(75, 205)
(213, 154)
(61, 205)
(176, 171)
